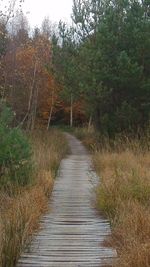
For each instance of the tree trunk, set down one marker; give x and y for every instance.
(50, 117)
(97, 116)
(71, 111)
(31, 101)
(51, 111)
(90, 123)
(34, 108)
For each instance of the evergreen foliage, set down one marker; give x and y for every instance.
(112, 62)
(15, 151)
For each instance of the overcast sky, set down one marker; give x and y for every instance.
(56, 10)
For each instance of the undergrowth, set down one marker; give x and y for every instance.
(123, 193)
(20, 211)
(124, 196)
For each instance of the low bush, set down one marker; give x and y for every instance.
(15, 152)
(18, 218)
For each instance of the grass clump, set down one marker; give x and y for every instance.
(89, 137)
(48, 149)
(18, 217)
(124, 194)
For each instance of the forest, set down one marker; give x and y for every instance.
(91, 78)
(96, 70)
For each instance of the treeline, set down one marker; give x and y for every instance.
(29, 159)
(104, 58)
(96, 71)
(27, 80)
(23, 60)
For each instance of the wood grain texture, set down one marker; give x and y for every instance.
(72, 233)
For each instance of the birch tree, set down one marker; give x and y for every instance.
(65, 53)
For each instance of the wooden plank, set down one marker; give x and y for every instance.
(72, 233)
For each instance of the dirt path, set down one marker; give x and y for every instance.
(72, 233)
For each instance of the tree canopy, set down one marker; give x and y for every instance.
(113, 63)
(96, 68)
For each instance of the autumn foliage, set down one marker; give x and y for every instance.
(29, 84)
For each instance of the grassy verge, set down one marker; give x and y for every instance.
(90, 138)
(21, 209)
(123, 194)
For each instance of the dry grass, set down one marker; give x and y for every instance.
(18, 218)
(89, 137)
(49, 151)
(124, 195)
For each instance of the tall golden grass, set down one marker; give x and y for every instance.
(89, 137)
(124, 195)
(20, 211)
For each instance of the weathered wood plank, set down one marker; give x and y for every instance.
(72, 233)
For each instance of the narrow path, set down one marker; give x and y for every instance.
(72, 234)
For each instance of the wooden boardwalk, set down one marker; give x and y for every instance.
(72, 234)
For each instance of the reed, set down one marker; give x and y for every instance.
(124, 194)
(20, 211)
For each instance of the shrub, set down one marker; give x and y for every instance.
(18, 218)
(15, 152)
